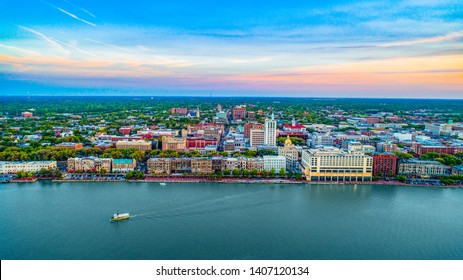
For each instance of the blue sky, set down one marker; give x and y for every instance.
(402, 48)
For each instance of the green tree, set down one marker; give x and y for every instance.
(282, 172)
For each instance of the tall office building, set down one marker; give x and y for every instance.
(270, 132)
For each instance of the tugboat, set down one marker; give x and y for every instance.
(120, 217)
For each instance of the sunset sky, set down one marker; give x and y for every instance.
(389, 48)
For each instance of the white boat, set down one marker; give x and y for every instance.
(162, 184)
(119, 217)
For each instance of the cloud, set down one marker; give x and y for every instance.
(436, 39)
(47, 39)
(82, 9)
(75, 17)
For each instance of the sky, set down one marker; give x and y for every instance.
(332, 48)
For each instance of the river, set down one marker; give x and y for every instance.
(46, 220)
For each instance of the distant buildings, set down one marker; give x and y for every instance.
(12, 167)
(139, 145)
(239, 112)
(74, 146)
(457, 170)
(180, 111)
(125, 130)
(176, 144)
(27, 115)
(332, 164)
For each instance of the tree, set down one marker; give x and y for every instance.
(103, 171)
(289, 174)
(282, 172)
(226, 172)
(401, 178)
(298, 176)
(236, 172)
(254, 173)
(272, 172)
(245, 173)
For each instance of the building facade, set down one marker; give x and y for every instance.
(270, 132)
(332, 164)
(274, 162)
(290, 153)
(89, 164)
(385, 165)
(12, 167)
(422, 168)
(124, 164)
(139, 145)
(171, 143)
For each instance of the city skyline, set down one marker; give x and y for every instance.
(397, 49)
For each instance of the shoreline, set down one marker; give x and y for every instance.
(237, 181)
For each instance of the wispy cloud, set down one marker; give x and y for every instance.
(47, 39)
(80, 8)
(75, 17)
(436, 39)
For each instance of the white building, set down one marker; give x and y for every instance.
(403, 136)
(270, 132)
(332, 164)
(12, 167)
(275, 162)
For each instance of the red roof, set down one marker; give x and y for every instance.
(297, 126)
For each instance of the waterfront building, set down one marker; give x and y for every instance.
(239, 112)
(256, 137)
(124, 164)
(255, 163)
(274, 162)
(385, 165)
(201, 165)
(171, 143)
(234, 163)
(216, 163)
(139, 145)
(158, 166)
(333, 164)
(422, 168)
(89, 164)
(270, 131)
(12, 167)
(180, 165)
(69, 145)
(457, 170)
(290, 153)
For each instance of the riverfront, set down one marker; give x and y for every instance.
(52, 220)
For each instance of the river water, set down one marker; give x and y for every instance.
(46, 220)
